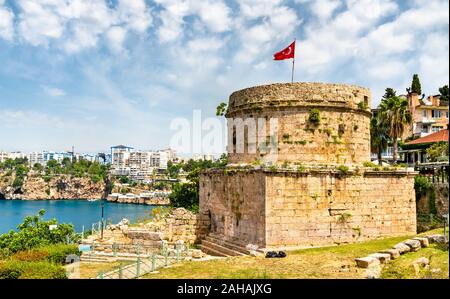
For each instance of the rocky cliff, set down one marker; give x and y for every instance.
(58, 187)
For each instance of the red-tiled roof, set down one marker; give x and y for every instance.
(442, 135)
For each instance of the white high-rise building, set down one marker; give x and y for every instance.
(36, 157)
(120, 156)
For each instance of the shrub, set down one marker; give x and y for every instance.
(30, 255)
(362, 105)
(343, 169)
(314, 116)
(14, 269)
(35, 232)
(369, 164)
(56, 253)
(422, 185)
(18, 182)
(95, 178)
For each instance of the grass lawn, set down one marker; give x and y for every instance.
(324, 262)
(91, 270)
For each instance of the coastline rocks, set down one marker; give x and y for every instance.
(58, 187)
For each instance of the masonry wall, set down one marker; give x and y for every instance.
(323, 208)
(341, 137)
(311, 208)
(233, 206)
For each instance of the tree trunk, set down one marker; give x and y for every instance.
(395, 149)
(379, 157)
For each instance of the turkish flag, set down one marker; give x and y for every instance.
(287, 53)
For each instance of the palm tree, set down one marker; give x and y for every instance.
(378, 137)
(396, 116)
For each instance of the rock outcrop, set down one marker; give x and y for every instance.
(58, 187)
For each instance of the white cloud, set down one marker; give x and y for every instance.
(6, 22)
(116, 37)
(79, 24)
(278, 25)
(324, 9)
(214, 15)
(53, 91)
(135, 14)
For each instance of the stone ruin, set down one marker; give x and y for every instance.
(314, 187)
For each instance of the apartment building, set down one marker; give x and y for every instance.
(139, 165)
(36, 157)
(11, 155)
(430, 115)
(120, 156)
(3, 156)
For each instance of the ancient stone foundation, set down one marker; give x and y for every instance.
(312, 207)
(314, 188)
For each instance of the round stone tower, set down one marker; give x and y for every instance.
(303, 123)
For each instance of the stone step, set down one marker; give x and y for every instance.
(212, 251)
(232, 246)
(225, 250)
(94, 260)
(222, 238)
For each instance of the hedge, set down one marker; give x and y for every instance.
(52, 253)
(14, 269)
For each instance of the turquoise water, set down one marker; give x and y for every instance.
(77, 212)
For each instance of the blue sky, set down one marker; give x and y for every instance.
(97, 73)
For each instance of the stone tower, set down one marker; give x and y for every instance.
(314, 184)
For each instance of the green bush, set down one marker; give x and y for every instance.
(343, 169)
(314, 116)
(422, 185)
(362, 105)
(18, 182)
(52, 253)
(369, 164)
(95, 178)
(58, 253)
(34, 232)
(14, 269)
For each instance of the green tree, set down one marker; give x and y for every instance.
(186, 195)
(378, 137)
(443, 91)
(221, 109)
(394, 113)
(35, 232)
(415, 85)
(38, 167)
(437, 150)
(389, 93)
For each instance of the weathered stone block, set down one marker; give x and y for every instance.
(382, 257)
(394, 253)
(413, 244)
(402, 248)
(423, 241)
(366, 262)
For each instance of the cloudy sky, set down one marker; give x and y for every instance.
(94, 73)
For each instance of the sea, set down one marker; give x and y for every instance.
(81, 213)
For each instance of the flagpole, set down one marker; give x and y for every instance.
(293, 63)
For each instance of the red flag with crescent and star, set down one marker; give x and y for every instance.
(287, 53)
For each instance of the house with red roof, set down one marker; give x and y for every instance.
(415, 150)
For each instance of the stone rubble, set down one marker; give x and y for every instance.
(373, 261)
